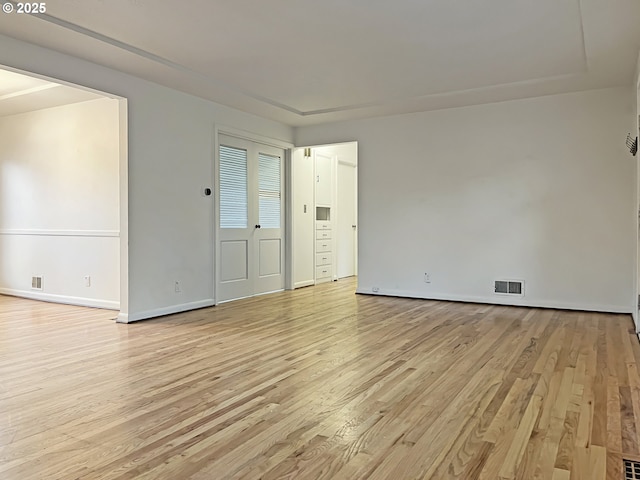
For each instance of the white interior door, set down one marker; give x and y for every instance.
(250, 240)
(347, 220)
(268, 238)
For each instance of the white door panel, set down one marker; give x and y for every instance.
(251, 217)
(324, 180)
(235, 261)
(347, 220)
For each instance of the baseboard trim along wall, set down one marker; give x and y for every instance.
(520, 302)
(49, 297)
(305, 283)
(61, 233)
(159, 312)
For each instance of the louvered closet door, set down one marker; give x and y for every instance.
(268, 244)
(251, 247)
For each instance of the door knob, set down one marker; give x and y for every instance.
(353, 226)
(258, 226)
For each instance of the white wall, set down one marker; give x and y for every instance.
(170, 156)
(59, 209)
(540, 189)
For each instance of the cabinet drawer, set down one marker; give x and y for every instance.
(323, 234)
(323, 225)
(323, 259)
(323, 246)
(323, 272)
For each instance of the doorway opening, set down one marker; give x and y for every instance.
(63, 192)
(324, 210)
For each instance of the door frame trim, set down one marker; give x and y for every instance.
(221, 129)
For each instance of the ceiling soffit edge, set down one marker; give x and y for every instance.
(309, 113)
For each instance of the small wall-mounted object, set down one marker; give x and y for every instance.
(632, 144)
(36, 282)
(206, 191)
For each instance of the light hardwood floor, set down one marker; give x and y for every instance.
(317, 383)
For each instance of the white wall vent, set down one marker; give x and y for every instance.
(36, 282)
(509, 287)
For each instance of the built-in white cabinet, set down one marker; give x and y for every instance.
(323, 234)
(324, 243)
(323, 246)
(325, 188)
(324, 180)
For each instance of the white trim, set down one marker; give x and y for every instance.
(304, 283)
(59, 82)
(60, 233)
(251, 296)
(502, 300)
(28, 91)
(50, 297)
(288, 221)
(345, 162)
(252, 137)
(123, 183)
(159, 312)
(267, 293)
(221, 302)
(214, 217)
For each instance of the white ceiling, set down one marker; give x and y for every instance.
(21, 93)
(310, 61)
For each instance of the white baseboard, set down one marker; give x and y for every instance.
(515, 302)
(305, 283)
(159, 312)
(65, 299)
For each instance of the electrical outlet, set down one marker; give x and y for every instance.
(178, 287)
(87, 280)
(427, 278)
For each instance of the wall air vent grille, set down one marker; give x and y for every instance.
(509, 287)
(631, 470)
(36, 283)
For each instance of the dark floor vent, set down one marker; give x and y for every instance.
(631, 470)
(509, 287)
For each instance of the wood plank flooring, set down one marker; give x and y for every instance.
(317, 383)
